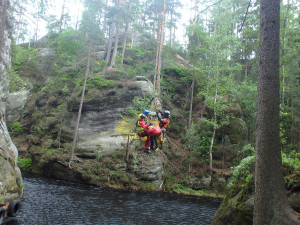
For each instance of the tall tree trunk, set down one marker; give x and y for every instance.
(80, 108)
(114, 53)
(171, 22)
(18, 28)
(191, 102)
(270, 203)
(161, 41)
(110, 41)
(213, 135)
(157, 53)
(125, 35)
(115, 50)
(61, 20)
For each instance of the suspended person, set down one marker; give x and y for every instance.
(153, 132)
(163, 123)
(141, 126)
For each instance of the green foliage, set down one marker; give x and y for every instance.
(135, 160)
(247, 150)
(246, 95)
(95, 81)
(243, 172)
(291, 159)
(99, 66)
(198, 138)
(23, 58)
(16, 128)
(69, 46)
(16, 83)
(139, 105)
(25, 163)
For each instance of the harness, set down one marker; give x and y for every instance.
(138, 127)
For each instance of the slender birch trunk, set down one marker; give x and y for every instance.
(191, 103)
(110, 41)
(80, 108)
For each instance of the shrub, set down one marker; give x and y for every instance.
(198, 137)
(16, 128)
(292, 160)
(242, 172)
(25, 163)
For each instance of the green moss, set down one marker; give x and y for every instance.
(96, 81)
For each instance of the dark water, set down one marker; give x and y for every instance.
(54, 202)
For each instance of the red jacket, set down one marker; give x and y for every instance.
(153, 131)
(143, 124)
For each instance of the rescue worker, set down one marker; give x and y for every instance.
(141, 126)
(163, 123)
(153, 132)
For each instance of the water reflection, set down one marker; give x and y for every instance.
(49, 202)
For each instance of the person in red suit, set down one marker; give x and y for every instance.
(153, 132)
(141, 126)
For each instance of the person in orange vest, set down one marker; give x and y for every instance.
(163, 123)
(141, 126)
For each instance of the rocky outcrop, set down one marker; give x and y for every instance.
(15, 104)
(10, 176)
(103, 128)
(103, 133)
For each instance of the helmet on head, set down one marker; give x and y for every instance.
(166, 114)
(142, 116)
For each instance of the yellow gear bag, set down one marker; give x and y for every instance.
(143, 138)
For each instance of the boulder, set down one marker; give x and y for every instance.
(149, 168)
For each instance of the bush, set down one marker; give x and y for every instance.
(243, 172)
(198, 137)
(25, 163)
(292, 160)
(16, 128)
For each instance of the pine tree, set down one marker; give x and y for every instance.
(270, 204)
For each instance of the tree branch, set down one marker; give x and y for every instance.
(246, 12)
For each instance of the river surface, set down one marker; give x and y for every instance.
(55, 202)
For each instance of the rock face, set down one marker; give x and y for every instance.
(15, 104)
(10, 176)
(103, 134)
(103, 129)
